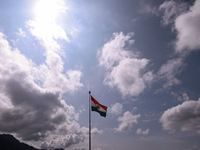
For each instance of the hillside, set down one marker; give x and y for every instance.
(9, 142)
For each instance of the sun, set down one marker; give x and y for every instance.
(47, 10)
(45, 23)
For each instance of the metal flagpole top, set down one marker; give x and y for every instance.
(89, 92)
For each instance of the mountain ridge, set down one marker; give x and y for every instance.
(9, 142)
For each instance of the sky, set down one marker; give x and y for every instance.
(138, 58)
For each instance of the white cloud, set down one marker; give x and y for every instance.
(21, 32)
(126, 76)
(116, 109)
(170, 70)
(148, 9)
(183, 97)
(172, 9)
(63, 141)
(187, 26)
(184, 117)
(113, 51)
(124, 67)
(74, 32)
(80, 148)
(142, 132)
(95, 131)
(127, 121)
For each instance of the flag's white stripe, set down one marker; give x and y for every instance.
(100, 109)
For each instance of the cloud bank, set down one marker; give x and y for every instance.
(184, 117)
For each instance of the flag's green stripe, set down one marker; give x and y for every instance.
(100, 112)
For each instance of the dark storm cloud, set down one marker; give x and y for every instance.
(33, 112)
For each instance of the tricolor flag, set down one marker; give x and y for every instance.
(101, 109)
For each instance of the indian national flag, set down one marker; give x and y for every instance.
(101, 109)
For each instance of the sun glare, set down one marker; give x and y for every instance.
(47, 10)
(44, 25)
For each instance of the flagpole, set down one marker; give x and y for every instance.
(89, 120)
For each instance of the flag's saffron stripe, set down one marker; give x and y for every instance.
(97, 103)
(100, 112)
